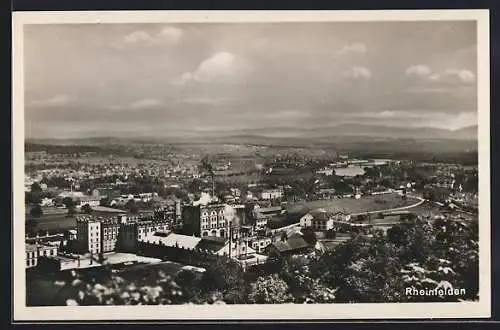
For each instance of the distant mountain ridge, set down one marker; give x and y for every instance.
(294, 133)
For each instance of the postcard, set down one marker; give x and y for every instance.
(251, 165)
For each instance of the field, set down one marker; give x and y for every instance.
(354, 206)
(57, 222)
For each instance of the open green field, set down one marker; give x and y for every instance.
(351, 205)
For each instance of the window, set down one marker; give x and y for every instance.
(28, 262)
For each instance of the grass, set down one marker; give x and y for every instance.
(351, 205)
(59, 222)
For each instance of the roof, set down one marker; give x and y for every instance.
(307, 216)
(281, 246)
(71, 194)
(211, 243)
(35, 247)
(108, 209)
(172, 240)
(270, 209)
(294, 242)
(89, 198)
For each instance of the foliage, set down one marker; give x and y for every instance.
(35, 187)
(36, 211)
(132, 207)
(225, 276)
(87, 209)
(269, 290)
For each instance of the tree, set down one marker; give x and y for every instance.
(33, 198)
(36, 211)
(131, 205)
(309, 236)
(68, 202)
(269, 290)
(226, 276)
(35, 187)
(87, 209)
(70, 205)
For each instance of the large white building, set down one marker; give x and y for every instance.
(88, 235)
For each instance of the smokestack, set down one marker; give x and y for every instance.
(213, 187)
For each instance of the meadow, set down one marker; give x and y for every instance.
(355, 206)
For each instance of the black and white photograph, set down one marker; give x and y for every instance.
(251, 165)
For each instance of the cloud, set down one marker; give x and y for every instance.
(148, 103)
(58, 100)
(465, 76)
(204, 100)
(357, 48)
(171, 33)
(357, 72)
(219, 67)
(450, 75)
(420, 70)
(141, 38)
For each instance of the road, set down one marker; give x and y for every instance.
(403, 208)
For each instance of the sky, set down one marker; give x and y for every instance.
(84, 80)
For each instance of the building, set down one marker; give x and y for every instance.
(88, 200)
(321, 221)
(306, 221)
(236, 192)
(294, 244)
(268, 194)
(110, 234)
(261, 221)
(260, 243)
(132, 231)
(205, 220)
(325, 171)
(189, 248)
(240, 213)
(47, 202)
(167, 213)
(267, 211)
(88, 235)
(36, 251)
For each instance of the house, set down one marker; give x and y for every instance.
(260, 243)
(268, 194)
(261, 221)
(318, 220)
(267, 211)
(306, 220)
(294, 244)
(47, 202)
(34, 252)
(88, 200)
(325, 171)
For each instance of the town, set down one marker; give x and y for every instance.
(243, 223)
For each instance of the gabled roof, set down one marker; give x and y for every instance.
(294, 242)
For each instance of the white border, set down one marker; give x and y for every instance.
(481, 309)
